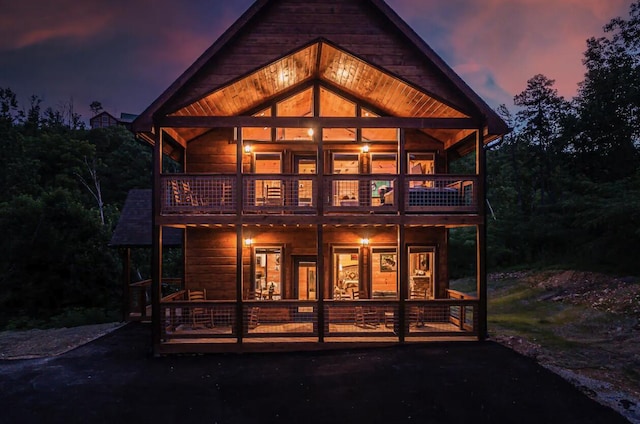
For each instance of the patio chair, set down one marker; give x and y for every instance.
(274, 196)
(366, 318)
(199, 315)
(254, 317)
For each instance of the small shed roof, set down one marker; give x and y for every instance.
(134, 227)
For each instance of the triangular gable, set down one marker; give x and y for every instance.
(330, 65)
(273, 28)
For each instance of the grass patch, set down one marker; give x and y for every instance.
(516, 308)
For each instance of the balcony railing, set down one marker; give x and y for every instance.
(287, 194)
(279, 193)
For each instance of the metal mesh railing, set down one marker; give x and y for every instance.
(365, 192)
(182, 319)
(216, 194)
(438, 193)
(198, 194)
(276, 193)
(281, 318)
(361, 318)
(444, 317)
(207, 319)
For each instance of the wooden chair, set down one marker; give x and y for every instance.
(417, 313)
(366, 318)
(199, 315)
(273, 196)
(226, 197)
(418, 294)
(254, 317)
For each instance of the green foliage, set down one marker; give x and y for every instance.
(564, 187)
(55, 265)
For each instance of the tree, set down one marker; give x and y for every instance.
(96, 107)
(542, 115)
(607, 139)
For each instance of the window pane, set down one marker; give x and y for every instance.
(384, 272)
(333, 105)
(379, 134)
(421, 272)
(267, 281)
(258, 133)
(346, 272)
(300, 104)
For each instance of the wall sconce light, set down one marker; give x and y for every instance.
(365, 148)
(364, 242)
(247, 148)
(310, 132)
(248, 242)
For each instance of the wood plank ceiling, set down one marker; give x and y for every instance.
(327, 63)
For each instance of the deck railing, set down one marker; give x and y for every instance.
(279, 193)
(441, 318)
(287, 194)
(139, 300)
(291, 319)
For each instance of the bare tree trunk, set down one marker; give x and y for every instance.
(95, 191)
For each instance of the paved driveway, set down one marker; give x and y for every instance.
(115, 380)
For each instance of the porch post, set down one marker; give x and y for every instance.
(481, 235)
(156, 243)
(318, 136)
(403, 281)
(402, 248)
(239, 239)
(239, 305)
(320, 281)
(126, 279)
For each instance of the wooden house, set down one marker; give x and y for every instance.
(315, 139)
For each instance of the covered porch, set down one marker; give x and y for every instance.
(314, 284)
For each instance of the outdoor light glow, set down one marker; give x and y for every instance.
(364, 242)
(247, 148)
(248, 242)
(310, 132)
(365, 148)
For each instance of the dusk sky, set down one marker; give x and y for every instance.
(125, 53)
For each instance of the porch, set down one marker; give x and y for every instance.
(214, 323)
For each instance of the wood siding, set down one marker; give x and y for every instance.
(210, 262)
(212, 152)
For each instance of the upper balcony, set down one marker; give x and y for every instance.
(355, 194)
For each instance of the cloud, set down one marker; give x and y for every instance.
(26, 23)
(505, 42)
(125, 53)
(121, 53)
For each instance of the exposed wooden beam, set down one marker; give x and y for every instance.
(325, 122)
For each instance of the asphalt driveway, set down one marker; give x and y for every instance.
(115, 380)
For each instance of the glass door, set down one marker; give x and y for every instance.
(421, 272)
(305, 278)
(346, 273)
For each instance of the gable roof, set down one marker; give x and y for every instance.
(134, 226)
(248, 47)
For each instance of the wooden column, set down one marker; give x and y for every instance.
(320, 275)
(156, 243)
(320, 281)
(403, 268)
(481, 235)
(239, 305)
(239, 239)
(402, 158)
(126, 280)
